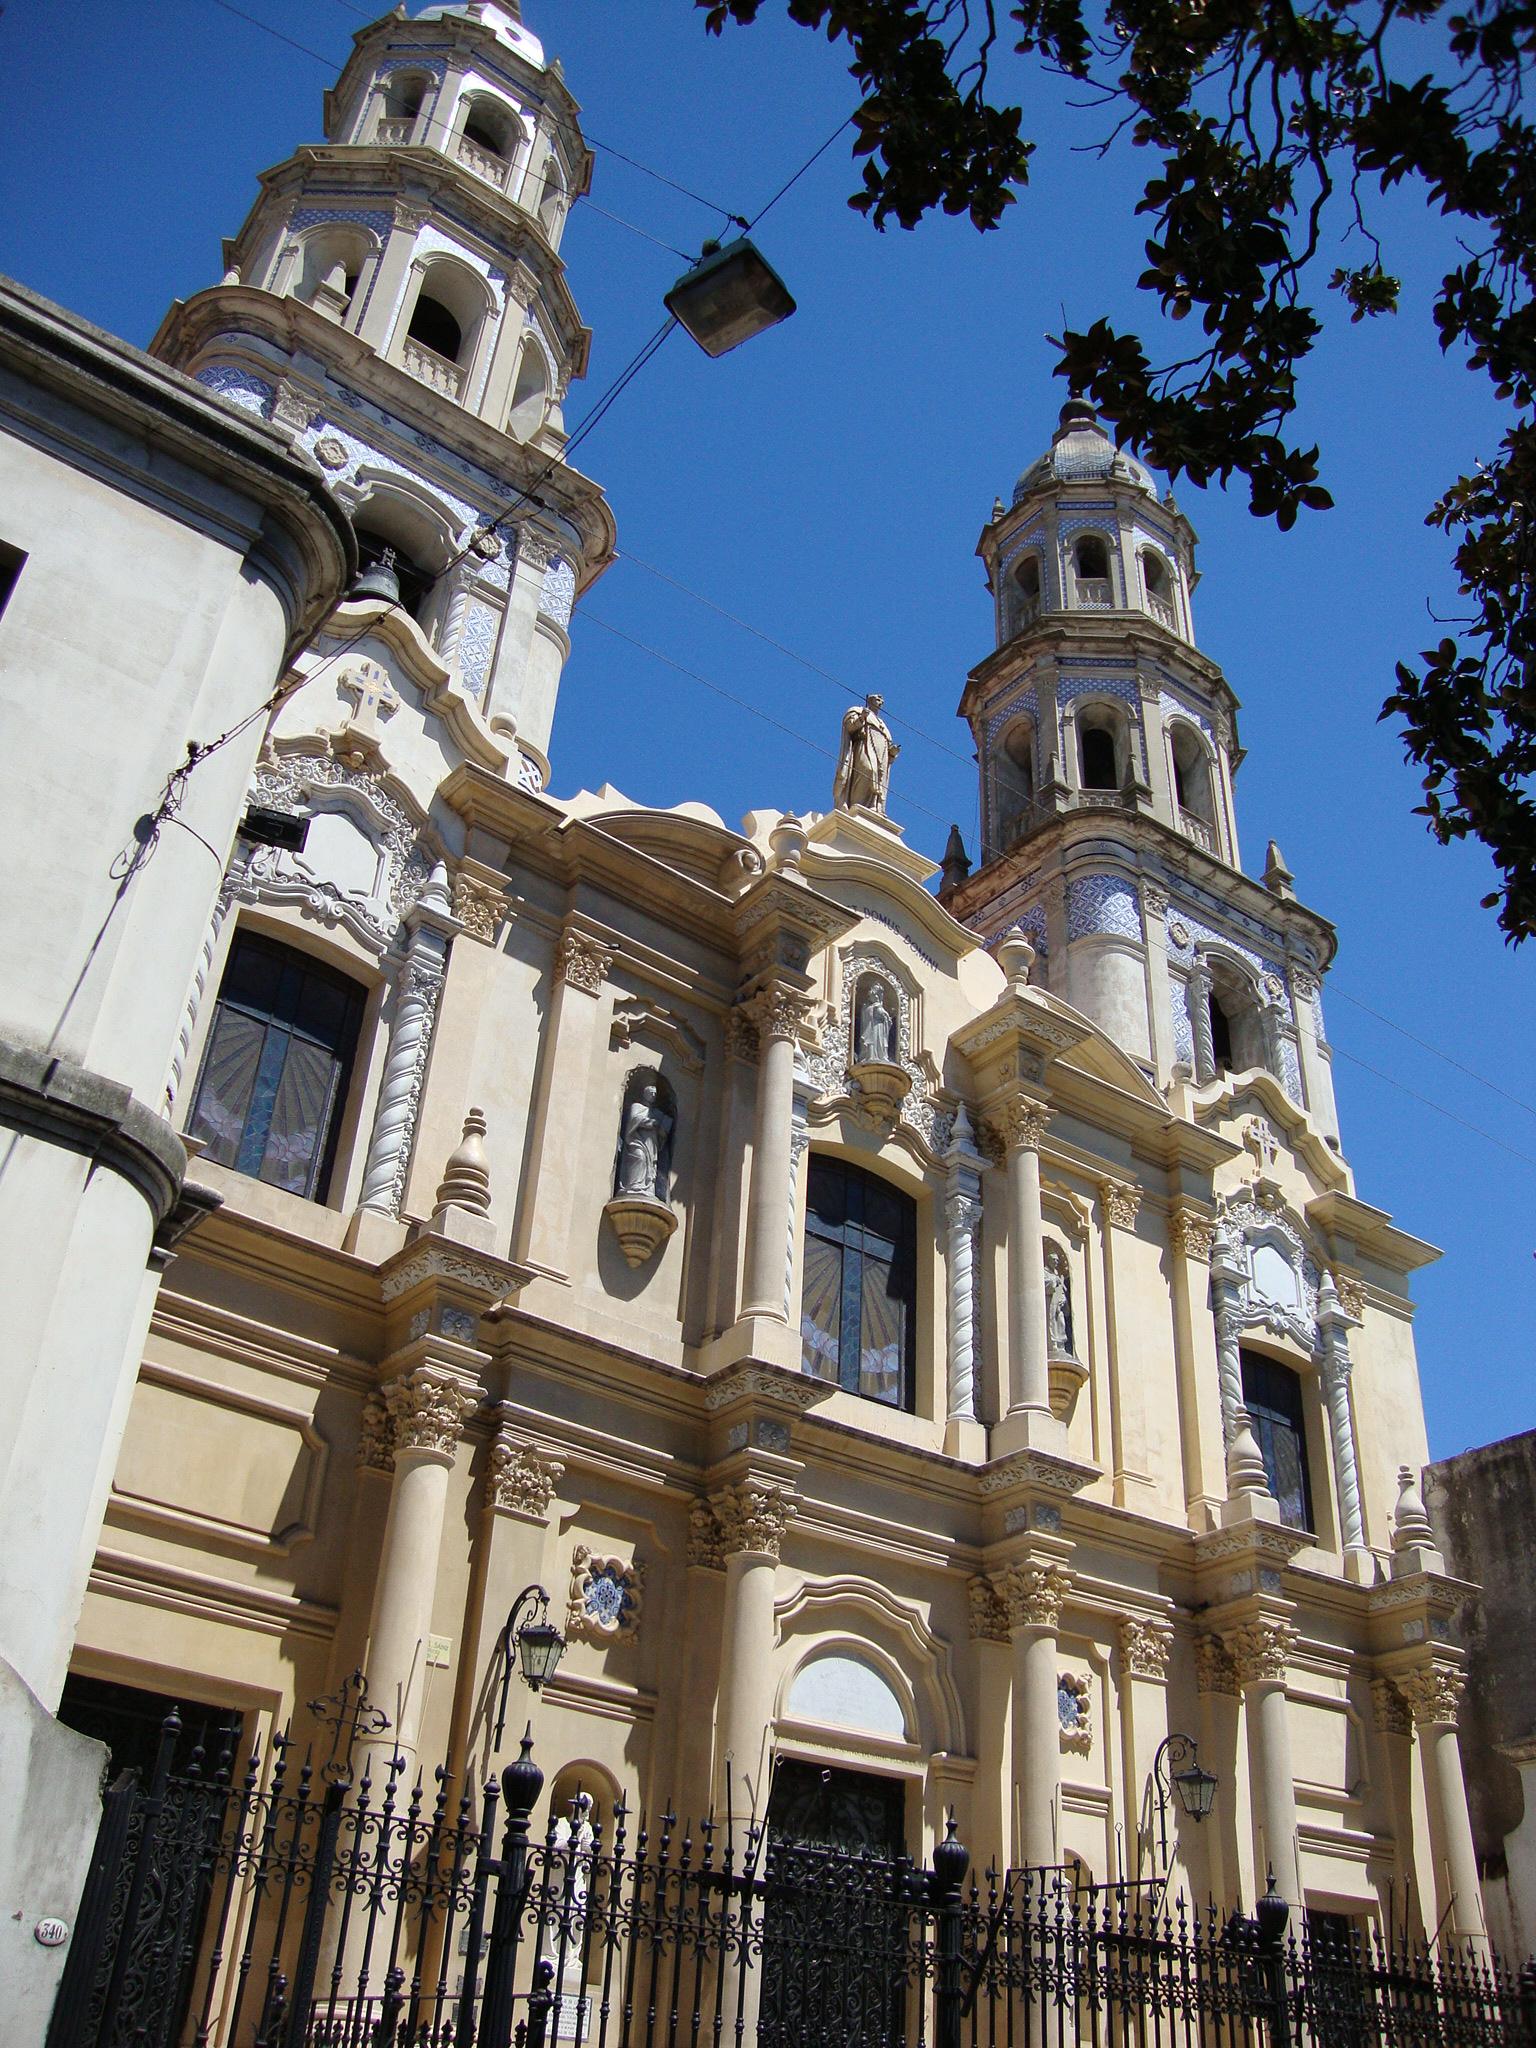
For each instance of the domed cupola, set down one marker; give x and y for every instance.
(1081, 451)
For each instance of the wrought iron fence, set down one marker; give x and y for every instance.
(288, 1906)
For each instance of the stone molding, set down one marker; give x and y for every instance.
(1037, 1468)
(428, 1412)
(1023, 1122)
(1033, 1594)
(583, 962)
(752, 1518)
(51, 1098)
(989, 1613)
(1262, 1649)
(1391, 1712)
(704, 1544)
(765, 1383)
(1215, 1669)
(522, 1478)
(741, 1037)
(777, 1012)
(1433, 1692)
(434, 1259)
(1146, 1646)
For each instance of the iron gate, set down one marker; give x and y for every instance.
(285, 1907)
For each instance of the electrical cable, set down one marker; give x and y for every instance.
(1403, 1032)
(1429, 1102)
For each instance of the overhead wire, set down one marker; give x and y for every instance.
(1429, 1102)
(1440, 1054)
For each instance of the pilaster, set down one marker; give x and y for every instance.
(567, 1057)
(1191, 1236)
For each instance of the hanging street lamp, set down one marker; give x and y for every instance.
(729, 295)
(1176, 1772)
(537, 1644)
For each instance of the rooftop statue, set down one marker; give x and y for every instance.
(863, 777)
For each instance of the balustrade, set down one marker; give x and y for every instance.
(432, 368)
(393, 133)
(1196, 830)
(483, 162)
(1095, 594)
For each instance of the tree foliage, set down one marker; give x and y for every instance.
(1272, 124)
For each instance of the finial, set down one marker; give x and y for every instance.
(1015, 955)
(1278, 878)
(786, 842)
(956, 864)
(1411, 1528)
(998, 509)
(1245, 1462)
(436, 895)
(466, 1182)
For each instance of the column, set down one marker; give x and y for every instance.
(418, 987)
(511, 1553)
(1029, 1386)
(1198, 988)
(1190, 1238)
(1261, 1650)
(1231, 1816)
(565, 1069)
(1145, 1645)
(684, 1699)
(427, 1409)
(1119, 1205)
(1404, 1912)
(1334, 1326)
(1229, 1279)
(751, 1518)
(962, 1219)
(1033, 1593)
(799, 1145)
(1433, 1692)
(990, 1840)
(778, 1014)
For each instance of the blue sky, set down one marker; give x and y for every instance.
(826, 485)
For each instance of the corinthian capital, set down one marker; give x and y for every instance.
(777, 1012)
(1262, 1648)
(1215, 1670)
(1433, 1692)
(1023, 1122)
(1192, 1234)
(376, 1436)
(1145, 1646)
(752, 1517)
(428, 1413)
(522, 1478)
(1122, 1203)
(989, 1612)
(1392, 1713)
(1033, 1594)
(582, 961)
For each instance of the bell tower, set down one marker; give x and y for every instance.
(1107, 746)
(396, 299)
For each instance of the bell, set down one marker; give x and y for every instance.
(377, 580)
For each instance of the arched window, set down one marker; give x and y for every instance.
(1192, 783)
(858, 1308)
(403, 97)
(1221, 1035)
(1090, 560)
(329, 271)
(1027, 592)
(1157, 581)
(435, 327)
(1272, 1396)
(273, 1087)
(530, 393)
(1014, 782)
(1239, 1039)
(549, 199)
(489, 138)
(1098, 752)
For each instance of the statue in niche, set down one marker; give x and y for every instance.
(875, 1037)
(645, 1138)
(863, 778)
(1058, 1303)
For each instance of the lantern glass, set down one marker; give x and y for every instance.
(1197, 1791)
(729, 295)
(540, 1647)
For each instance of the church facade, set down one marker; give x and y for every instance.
(913, 1323)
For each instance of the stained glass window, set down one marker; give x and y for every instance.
(274, 1080)
(1272, 1396)
(857, 1309)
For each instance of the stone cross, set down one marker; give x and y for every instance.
(373, 698)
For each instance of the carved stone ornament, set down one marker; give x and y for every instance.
(642, 1226)
(535, 548)
(428, 1413)
(1033, 1594)
(1433, 1693)
(778, 1012)
(1122, 1203)
(1023, 1124)
(583, 962)
(522, 1478)
(1074, 1711)
(376, 1436)
(704, 1544)
(1351, 1293)
(479, 906)
(989, 1615)
(605, 1597)
(741, 1037)
(1262, 1649)
(433, 1260)
(1303, 986)
(1215, 1669)
(1392, 1713)
(794, 1390)
(1192, 1234)
(487, 545)
(331, 453)
(874, 1057)
(752, 1517)
(1145, 1646)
